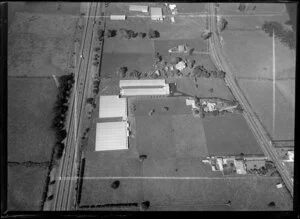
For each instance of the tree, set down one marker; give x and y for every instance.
(58, 150)
(242, 7)
(50, 198)
(61, 135)
(90, 100)
(191, 63)
(221, 74)
(145, 205)
(158, 57)
(142, 35)
(272, 204)
(115, 184)
(214, 74)
(153, 33)
(207, 74)
(190, 51)
(135, 74)
(206, 35)
(223, 24)
(127, 33)
(111, 33)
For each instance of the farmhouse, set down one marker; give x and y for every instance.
(156, 14)
(112, 107)
(111, 136)
(141, 8)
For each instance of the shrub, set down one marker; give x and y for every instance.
(206, 35)
(207, 74)
(145, 205)
(175, 60)
(221, 74)
(153, 33)
(272, 204)
(242, 7)
(127, 33)
(158, 57)
(115, 184)
(223, 24)
(211, 90)
(58, 150)
(90, 100)
(111, 33)
(122, 71)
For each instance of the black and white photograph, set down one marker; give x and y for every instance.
(150, 106)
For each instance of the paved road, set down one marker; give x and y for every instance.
(259, 132)
(64, 195)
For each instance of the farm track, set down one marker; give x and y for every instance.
(254, 123)
(68, 167)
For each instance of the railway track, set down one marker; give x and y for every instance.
(254, 123)
(68, 167)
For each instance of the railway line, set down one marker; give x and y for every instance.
(254, 123)
(68, 166)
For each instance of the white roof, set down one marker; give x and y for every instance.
(117, 17)
(112, 106)
(156, 13)
(143, 8)
(111, 136)
(145, 91)
(146, 83)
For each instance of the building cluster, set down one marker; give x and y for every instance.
(156, 13)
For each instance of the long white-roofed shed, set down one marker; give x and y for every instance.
(142, 83)
(111, 136)
(145, 91)
(112, 106)
(141, 8)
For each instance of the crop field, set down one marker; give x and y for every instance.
(204, 194)
(261, 8)
(260, 96)
(287, 88)
(238, 45)
(220, 90)
(40, 44)
(229, 134)
(190, 7)
(30, 103)
(25, 188)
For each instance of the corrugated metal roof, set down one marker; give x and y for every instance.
(145, 91)
(137, 83)
(111, 136)
(112, 106)
(156, 13)
(117, 17)
(142, 8)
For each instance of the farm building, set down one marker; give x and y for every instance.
(141, 8)
(142, 83)
(145, 91)
(156, 14)
(111, 136)
(112, 106)
(117, 17)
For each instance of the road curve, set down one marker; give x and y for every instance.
(261, 135)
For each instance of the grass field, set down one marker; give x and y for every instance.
(260, 96)
(162, 46)
(229, 134)
(133, 61)
(40, 44)
(190, 7)
(25, 188)
(220, 90)
(30, 103)
(128, 46)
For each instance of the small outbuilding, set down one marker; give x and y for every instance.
(117, 17)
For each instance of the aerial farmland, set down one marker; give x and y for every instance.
(149, 107)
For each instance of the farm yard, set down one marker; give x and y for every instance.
(25, 188)
(30, 102)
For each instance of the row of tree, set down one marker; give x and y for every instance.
(128, 34)
(60, 110)
(201, 71)
(287, 37)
